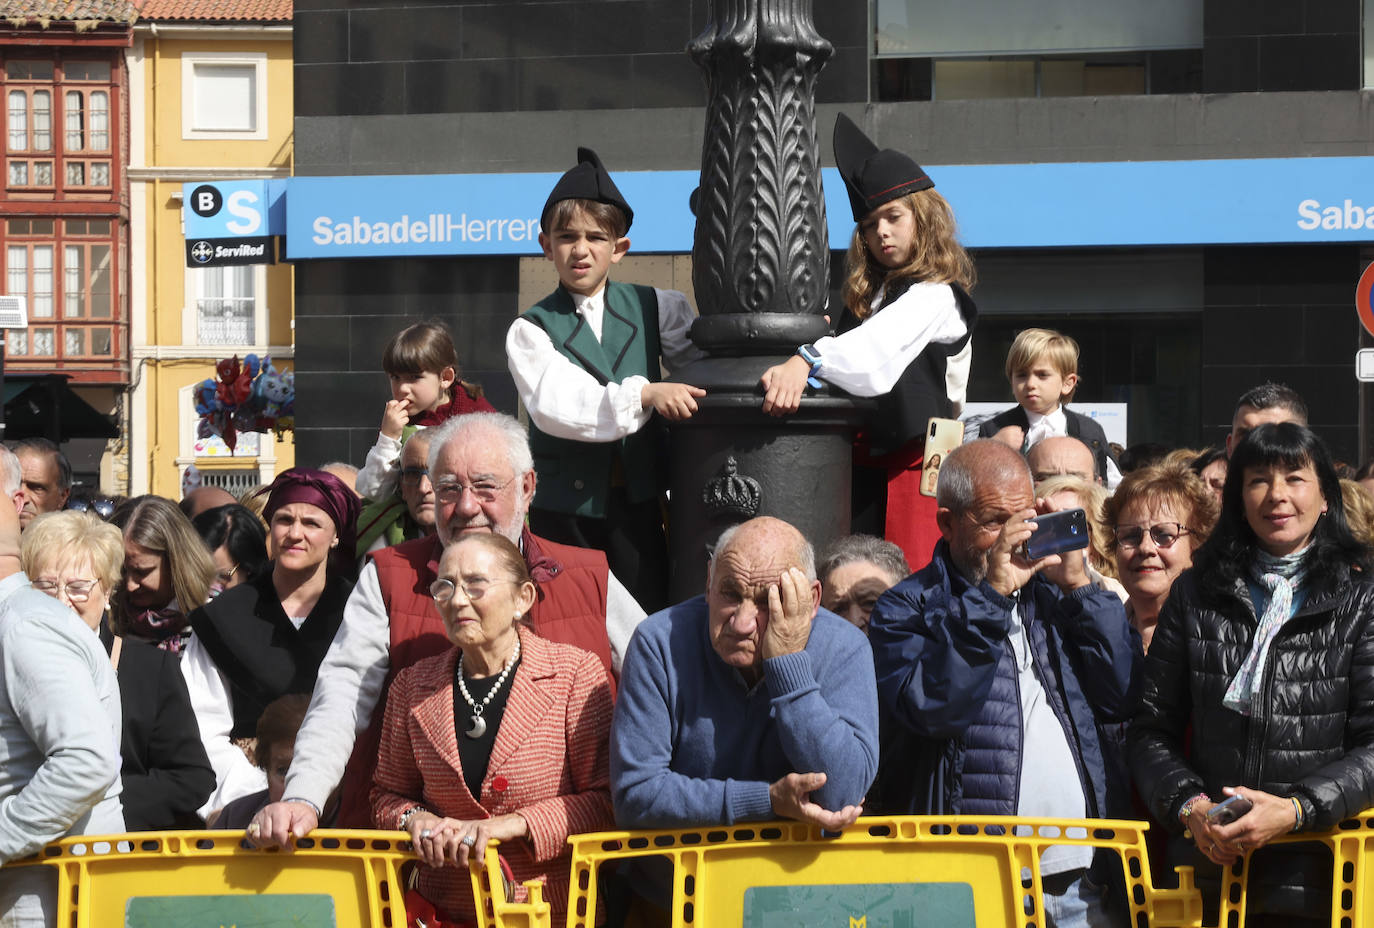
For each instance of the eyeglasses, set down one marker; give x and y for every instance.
(443, 590)
(452, 491)
(78, 591)
(102, 506)
(411, 476)
(1163, 535)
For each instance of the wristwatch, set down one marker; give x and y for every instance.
(809, 355)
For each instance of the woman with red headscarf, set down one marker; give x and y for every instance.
(264, 639)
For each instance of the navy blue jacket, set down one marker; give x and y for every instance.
(949, 700)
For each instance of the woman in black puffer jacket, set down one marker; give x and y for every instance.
(1260, 681)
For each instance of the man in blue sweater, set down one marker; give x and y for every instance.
(748, 703)
(995, 674)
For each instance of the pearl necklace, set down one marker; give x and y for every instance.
(479, 724)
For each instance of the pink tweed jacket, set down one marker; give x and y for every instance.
(549, 763)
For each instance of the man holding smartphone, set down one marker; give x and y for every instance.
(995, 672)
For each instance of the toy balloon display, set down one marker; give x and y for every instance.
(252, 396)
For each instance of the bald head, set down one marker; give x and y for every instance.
(771, 539)
(344, 471)
(1060, 455)
(203, 499)
(753, 563)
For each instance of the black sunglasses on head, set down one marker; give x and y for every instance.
(102, 506)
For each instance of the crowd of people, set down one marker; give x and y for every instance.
(455, 640)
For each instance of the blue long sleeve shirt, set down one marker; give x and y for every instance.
(693, 744)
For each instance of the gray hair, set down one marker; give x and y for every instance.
(47, 446)
(956, 489)
(508, 427)
(11, 474)
(851, 549)
(805, 553)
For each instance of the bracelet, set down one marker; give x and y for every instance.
(808, 354)
(404, 821)
(305, 802)
(1297, 811)
(1187, 810)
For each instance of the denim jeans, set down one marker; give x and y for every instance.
(1081, 904)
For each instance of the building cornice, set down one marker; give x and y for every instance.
(194, 31)
(203, 173)
(208, 352)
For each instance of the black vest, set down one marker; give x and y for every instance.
(920, 393)
(260, 653)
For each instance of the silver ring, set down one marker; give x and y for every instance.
(426, 833)
(254, 829)
(469, 840)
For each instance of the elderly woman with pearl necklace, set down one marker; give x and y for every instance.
(505, 736)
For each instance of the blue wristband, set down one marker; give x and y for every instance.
(808, 354)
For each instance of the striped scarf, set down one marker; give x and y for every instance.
(1280, 576)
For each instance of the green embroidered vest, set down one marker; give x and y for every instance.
(575, 476)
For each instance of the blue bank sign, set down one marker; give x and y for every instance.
(1098, 204)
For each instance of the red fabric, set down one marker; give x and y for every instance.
(553, 750)
(461, 403)
(910, 522)
(571, 608)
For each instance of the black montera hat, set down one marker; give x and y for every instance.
(873, 176)
(587, 181)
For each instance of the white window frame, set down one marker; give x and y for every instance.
(190, 315)
(257, 60)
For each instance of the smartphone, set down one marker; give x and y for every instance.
(942, 437)
(1226, 812)
(1057, 532)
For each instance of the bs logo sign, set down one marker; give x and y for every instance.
(244, 205)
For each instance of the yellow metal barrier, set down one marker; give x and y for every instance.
(882, 871)
(344, 879)
(1351, 845)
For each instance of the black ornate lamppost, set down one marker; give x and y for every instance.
(761, 270)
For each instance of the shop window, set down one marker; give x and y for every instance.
(224, 96)
(226, 305)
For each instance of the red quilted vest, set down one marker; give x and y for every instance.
(571, 608)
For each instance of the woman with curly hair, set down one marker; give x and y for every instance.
(1157, 518)
(904, 336)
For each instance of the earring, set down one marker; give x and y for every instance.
(334, 543)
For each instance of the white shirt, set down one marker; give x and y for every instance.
(566, 401)
(1050, 425)
(1050, 786)
(869, 360)
(350, 680)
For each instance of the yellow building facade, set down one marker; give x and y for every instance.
(209, 101)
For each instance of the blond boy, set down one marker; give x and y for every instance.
(1042, 367)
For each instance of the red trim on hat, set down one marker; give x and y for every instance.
(914, 180)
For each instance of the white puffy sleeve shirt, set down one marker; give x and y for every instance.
(868, 360)
(566, 401)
